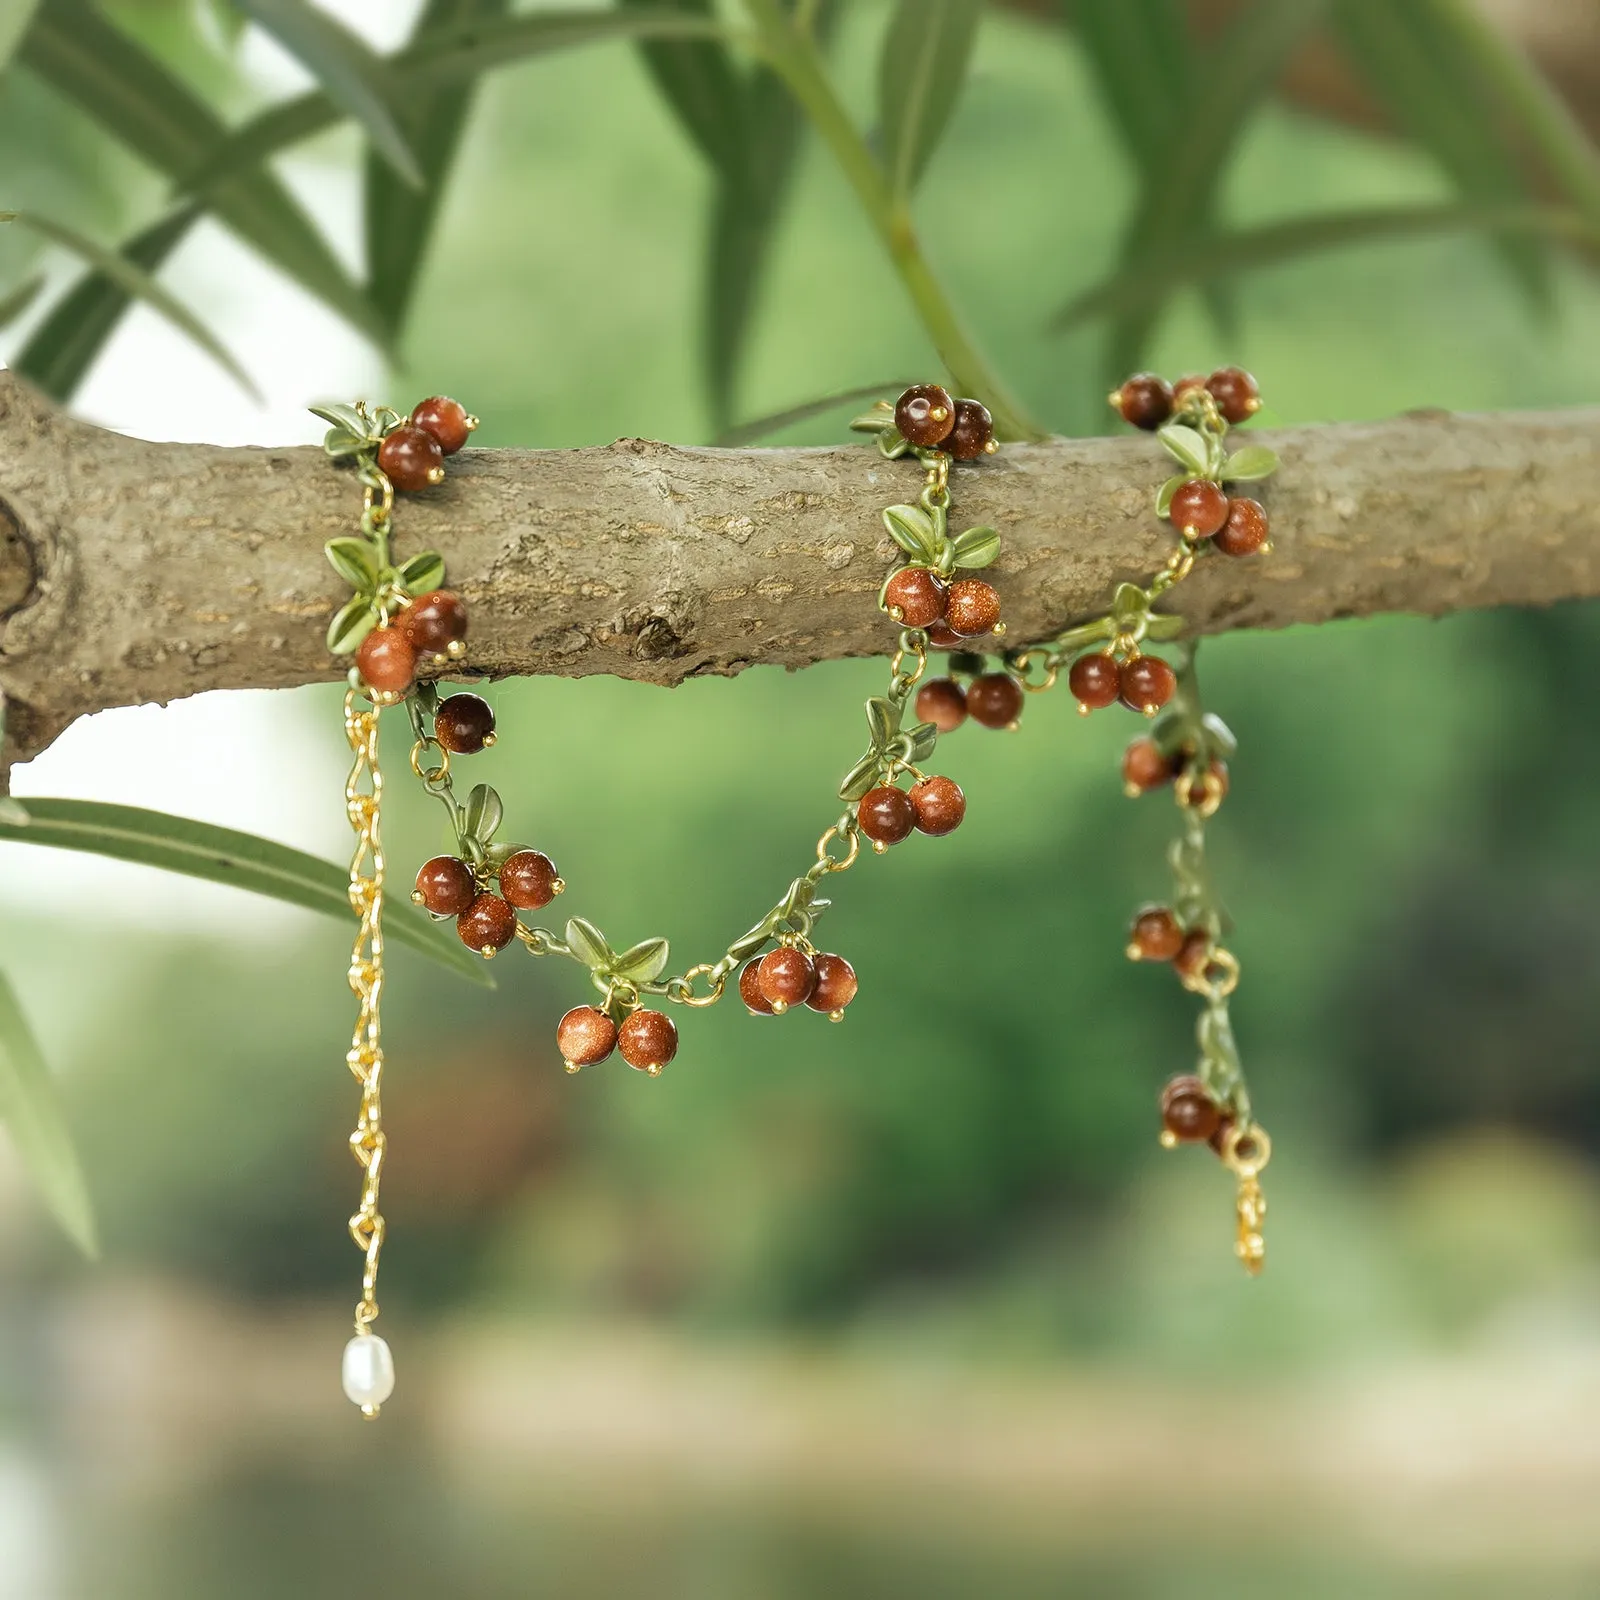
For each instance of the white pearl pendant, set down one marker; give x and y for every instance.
(368, 1372)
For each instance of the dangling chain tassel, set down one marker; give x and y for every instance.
(368, 1364)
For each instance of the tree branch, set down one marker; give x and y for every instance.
(132, 571)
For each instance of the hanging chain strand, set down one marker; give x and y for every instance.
(363, 795)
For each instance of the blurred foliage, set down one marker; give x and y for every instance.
(1408, 848)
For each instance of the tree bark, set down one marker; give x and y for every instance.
(132, 571)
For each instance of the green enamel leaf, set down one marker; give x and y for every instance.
(748, 943)
(338, 415)
(589, 945)
(1165, 493)
(921, 740)
(912, 529)
(355, 561)
(891, 445)
(483, 814)
(883, 720)
(224, 855)
(1129, 605)
(975, 548)
(644, 962)
(1164, 628)
(861, 777)
(1219, 737)
(355, 619)
(422, 573)
(1253, 462)
(339, 443)
(30, 1107)
(1187, 447)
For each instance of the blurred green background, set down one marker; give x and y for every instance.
(913, 1305)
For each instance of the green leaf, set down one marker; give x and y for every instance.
(422, 573)
(399, 216)
(644, 962)
(1142, 57)
(775, 422)
(223, 855)
(698, 80)
(1246, 465)
(1414, 64)
(14, 304)
(353, 621)
(344, 417)
(1219, 737)
(31, 1109)
(483, 815)
(912, 529)
(748, 943)
(926, 51)
(588, 944)
(1250, 249)
(356, 80)
(1162, 627)
(1179, 190)
(15, 19)
(883, 721)
(1165, 493)
(975, 548)
(1129, 605)
(1186, 446)
(144, 107)
(922, 738)
(861, 777)
(356, 562)
(137, 283)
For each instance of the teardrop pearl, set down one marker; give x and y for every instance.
(368, 1372)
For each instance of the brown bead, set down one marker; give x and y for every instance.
(585, 1036)
(940, 805)
(1245, 531)
(1195, 955)
(464, 724)
(971, 607)
(488, 924)
(995, 700)
(925, 414)
(411, 459)
(435, 621)
(786, 977)
(445, 886)
(1144, 767)
(1147, 684)
(750, 990)
(1237, 395)
(835, 986)
(886, 815)
(1095, 680)
(943, 637)
(1188, 1113)
(528, 880)
(1156, 935)
(386, 661)
(1199, 508)
(446, 420)
(1144, 400)
(648, 1040)
(1187, 385)
(973, 434)
(917, 594)
(943, 702)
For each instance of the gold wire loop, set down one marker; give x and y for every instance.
(1019, 667)
(682, 989)
(1218, 978)
(433, 778)
(1245, 1152)
(1212, 789)
(825, 855)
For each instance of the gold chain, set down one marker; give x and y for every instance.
(363, 798)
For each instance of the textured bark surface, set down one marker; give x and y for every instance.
(133, 571)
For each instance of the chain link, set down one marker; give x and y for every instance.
(363, 798)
